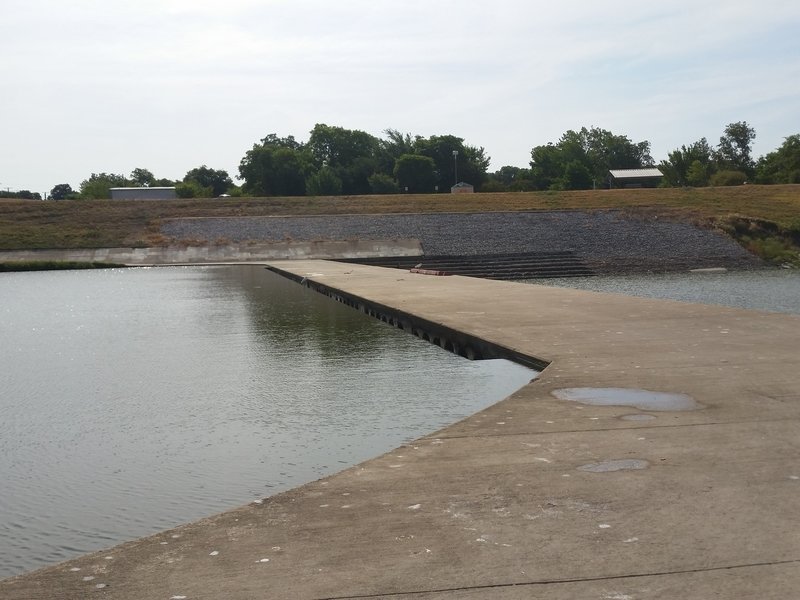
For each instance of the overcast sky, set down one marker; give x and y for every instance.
(168, 85)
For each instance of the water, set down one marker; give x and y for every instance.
(776, 290)
(134, 400)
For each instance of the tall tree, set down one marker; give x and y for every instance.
(392, 148)
(582, 159)
(61, 191)
(324, 182)
(275, 167)
(509, 179)
(142, 177)
(546, 166)
(782, 165)
(689, 165)
(352, 154)
(735, 147)
(415, 174)
(471, 162)
(98, 185)
(218, 180)
(381, 183)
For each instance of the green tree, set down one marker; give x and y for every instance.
(576, 177)
(680, 162)
(98, 185)
(546, 166)
(21, 194)
(352, 154)
(508, 175)
(782, 165)
(396, 145)
(275, 167)
(698, 174)
(216, 179)
(142, 177)
(582, 159)
(735, 147)
(286, 142)
(192, 189)
(324, 182)
(472, 162)
(415, 174)
(722, 178)
(62, 191)
(381, 183)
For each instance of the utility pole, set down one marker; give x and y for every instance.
(455, 165)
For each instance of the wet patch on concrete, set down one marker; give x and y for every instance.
(608, 466)
(641, 399)
(638, 417)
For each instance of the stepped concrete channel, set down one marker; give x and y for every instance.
(576, 486)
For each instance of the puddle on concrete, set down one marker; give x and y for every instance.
(609, 466)
(641, 399)
(638, 417)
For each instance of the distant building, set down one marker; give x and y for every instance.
(143, 193)
(462, 188)
(635, 178)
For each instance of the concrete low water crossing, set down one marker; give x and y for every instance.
(497, 505)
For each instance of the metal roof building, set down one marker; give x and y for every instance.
(648, 177)
(143, 193)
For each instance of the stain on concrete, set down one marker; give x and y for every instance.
(609, 466)
(638, 417)
(641, 399)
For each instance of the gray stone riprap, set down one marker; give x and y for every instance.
(605, 238)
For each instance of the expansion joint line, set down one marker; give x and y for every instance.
(544, 582)
(599, 429)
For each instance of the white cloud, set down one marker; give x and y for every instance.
(170, 84)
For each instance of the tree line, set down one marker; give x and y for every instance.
(340, 161)
(582, 160)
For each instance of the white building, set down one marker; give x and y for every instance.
(143, 193)
(648, 177)
(462, 188)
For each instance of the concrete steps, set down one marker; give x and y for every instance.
(529, 265)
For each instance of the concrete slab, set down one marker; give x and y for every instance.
(534, 497)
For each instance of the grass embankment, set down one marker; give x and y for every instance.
(750, 213)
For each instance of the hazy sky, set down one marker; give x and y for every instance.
(111, 85)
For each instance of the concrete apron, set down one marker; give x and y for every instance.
(227, 253)
(536, 496)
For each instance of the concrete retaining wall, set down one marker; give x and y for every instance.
(224, 254)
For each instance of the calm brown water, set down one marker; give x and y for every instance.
(134, 400)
